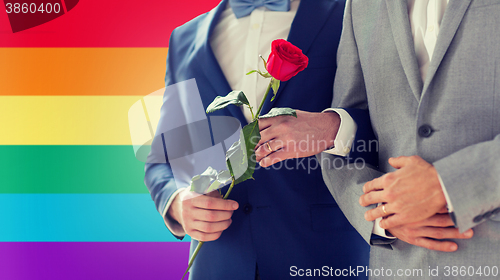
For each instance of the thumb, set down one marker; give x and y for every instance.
(228, 203)
(399, 162)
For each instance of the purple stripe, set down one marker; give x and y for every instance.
(93, 260)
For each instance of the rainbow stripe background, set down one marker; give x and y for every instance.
(73, 204)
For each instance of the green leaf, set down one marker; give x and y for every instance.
(265, 62)
(235, 97)
(253, 71)
(275, 86)
(265, 75)
(279, 112)
(240, 158)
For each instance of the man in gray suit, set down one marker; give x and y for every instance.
(429, 73)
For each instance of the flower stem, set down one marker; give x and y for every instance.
(251, 111)
(229, 190)
(264, 99)
(195, 253)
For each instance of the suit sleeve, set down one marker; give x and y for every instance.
(159, 177)
(345, 177)
(472, 179)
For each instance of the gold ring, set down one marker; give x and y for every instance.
(383, 209)
(269, 147)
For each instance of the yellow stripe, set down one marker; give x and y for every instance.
(81, 71)
(77, 120)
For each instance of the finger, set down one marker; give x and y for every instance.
(443, 233)
(266, 123)
(268, 148)
(279, 155)
(261, 152)
(266, 135)
(214, 203)
(436, 245)
(372, 198)
(377, 212)
(397, 220)
(203, 215)
(399, 162)
(438, 220)
(211, 227)
(203, 236)
(374, 185)
(406, 218)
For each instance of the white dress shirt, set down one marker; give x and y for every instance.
(425, 19)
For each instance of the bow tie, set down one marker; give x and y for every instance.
(242, 8)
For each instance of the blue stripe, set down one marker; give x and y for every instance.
(81, 218)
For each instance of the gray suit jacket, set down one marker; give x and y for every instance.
(452, 120)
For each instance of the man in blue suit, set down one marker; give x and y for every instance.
(284, 223)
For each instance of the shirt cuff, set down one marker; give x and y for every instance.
(172, 225)
(446, 196)
(345, 135)
(380, 231)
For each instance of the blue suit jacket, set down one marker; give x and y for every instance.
(287, 217)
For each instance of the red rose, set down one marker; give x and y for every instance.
(285, 60)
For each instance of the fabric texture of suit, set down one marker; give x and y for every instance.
(451, 120)
(286, 216)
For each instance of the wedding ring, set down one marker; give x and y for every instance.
(383, 209)
(269, 147)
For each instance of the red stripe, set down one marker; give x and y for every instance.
(111, 23)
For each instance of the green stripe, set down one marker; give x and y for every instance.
(70, 169)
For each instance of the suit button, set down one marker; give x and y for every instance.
(478, 219)
(425, 131)
(247, 209)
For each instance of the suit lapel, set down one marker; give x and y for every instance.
(452, 18)
(207, 61)
(310, 18)
(401, 31)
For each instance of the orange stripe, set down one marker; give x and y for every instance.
(81, 71)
